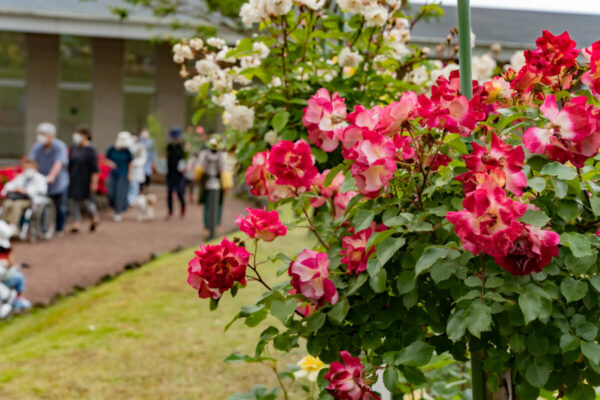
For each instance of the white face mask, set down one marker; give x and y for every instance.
(77, 138)
(29, 172)
(145, 134)
(42, 139)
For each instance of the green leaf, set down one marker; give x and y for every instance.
(378, 282)
(567, 210)
(279, 120)
(595, 281)
(315, 321)
(479, 318)
(363, 219)
(535, 218)
(415, 355)
(560, 187)
(537, 373)
(572, 289)
(429, 257)
(530, 306)
(583, 392)
(459, 145)
(559, 170)
(391, 377)
(537, 344)
(591, 350)
(587, 331)
(578, 244)
(595, 203)
(457, 325)
(282, 310)
(538, 184)
(348, 184)
(568, 342)
(338, 313)
(406, 281)
(332, 174)
(388, 248)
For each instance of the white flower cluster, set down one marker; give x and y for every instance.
(257, 10)
(517, 61)
(375, 13)
(239, 117)
(397, 38)
(422, 75)
(483, 67)
(349, 58)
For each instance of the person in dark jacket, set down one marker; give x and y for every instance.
(119, 158)
(83, 177)
(175, 168)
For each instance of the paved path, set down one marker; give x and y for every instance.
(80, 260)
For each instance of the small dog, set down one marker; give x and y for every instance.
(145, 207)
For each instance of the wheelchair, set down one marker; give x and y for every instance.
(39, 221)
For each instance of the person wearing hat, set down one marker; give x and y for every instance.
(10, 276)
(119, 158)
(175, 168)
(51, 156)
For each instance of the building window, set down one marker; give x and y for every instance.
(139, 84)
(12, 94)
(75, 87)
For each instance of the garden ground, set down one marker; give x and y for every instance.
(143, 335)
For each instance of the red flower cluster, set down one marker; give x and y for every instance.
(345, 380)
(354, 248)
(489, 223)
(592, 76)
(571, 134)
(261, 224)
(216, 268)
(501, 160)
(322, 117)
(310, 277)
(447, 109)
(548, 63)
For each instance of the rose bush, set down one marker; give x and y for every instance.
(447, 228)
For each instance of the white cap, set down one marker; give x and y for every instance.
(46, 127)
(5, 234)
(123, 139)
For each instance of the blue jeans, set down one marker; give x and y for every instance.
(16, 281)
(60, 202)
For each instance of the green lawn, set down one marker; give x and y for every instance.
(144, 335)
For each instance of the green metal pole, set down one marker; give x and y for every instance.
(466, 88)
(464, 48)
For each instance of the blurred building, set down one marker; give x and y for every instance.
(75, 62)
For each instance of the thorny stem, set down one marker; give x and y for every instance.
(482, 276)
(313, 229)
(285, 393)
(426, 172)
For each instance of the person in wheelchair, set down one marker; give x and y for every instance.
(21, 193)
(10, 276)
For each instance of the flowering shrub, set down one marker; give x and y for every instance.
(446, 226)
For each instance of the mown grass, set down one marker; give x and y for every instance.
(144, 335)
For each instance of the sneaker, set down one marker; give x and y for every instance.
(21, 303)
(117, 218)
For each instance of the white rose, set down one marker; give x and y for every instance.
(517, 61)
(261, 49)
(249, 62)
(348, 58)
(353, 6)
(241, 118)
(177, 59)
(375, 15)
(275, 82)
(216, 42)
(278, 7)
(249, 14)
(241, 79)
(222, 55)
(313, 4)
(196, 44)
(400, 50)
(193, 85)
(183, 50)
(271, 137)
(228, 101)
(483, 67)
(206, 67)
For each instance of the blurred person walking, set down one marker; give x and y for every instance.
(213, 172)
(119, 158)
(83, 176)
(51, 156)
(138, 175)
(175, 168)
(150, 155)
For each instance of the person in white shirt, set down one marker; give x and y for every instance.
(138, 175)
(21, 192)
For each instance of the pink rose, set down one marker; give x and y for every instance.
(292, 164)
(310, 274)
(261, 224)
(345, 379)
(322, 117)
(354, 249)
(216, 268)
